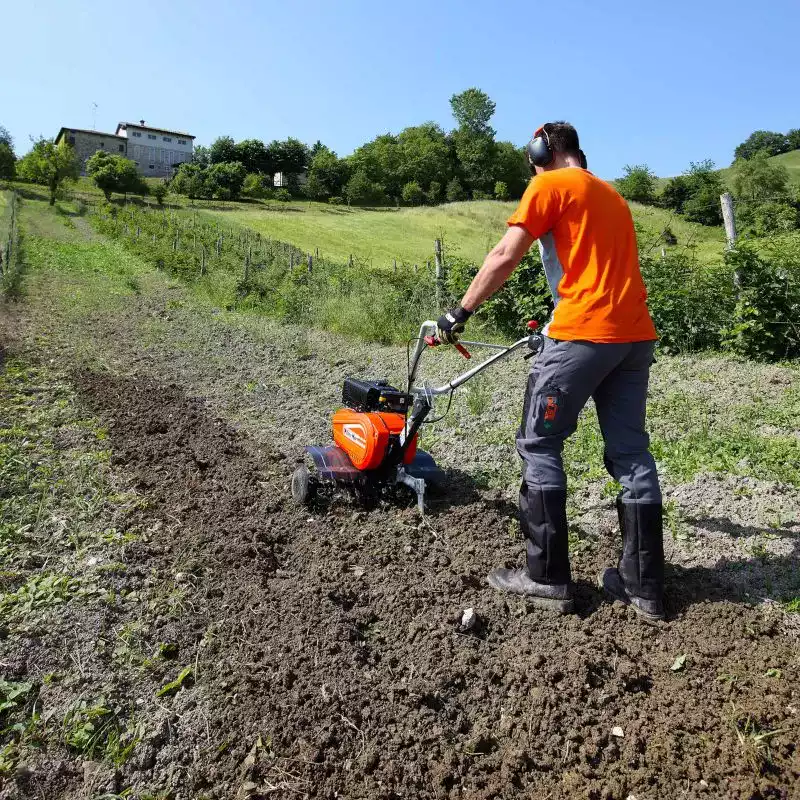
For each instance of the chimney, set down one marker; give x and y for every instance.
(141, 122)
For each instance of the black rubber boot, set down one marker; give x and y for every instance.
(543, 519)
(639, 578)
(553, 597)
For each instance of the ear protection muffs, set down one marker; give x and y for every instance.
(538, 149)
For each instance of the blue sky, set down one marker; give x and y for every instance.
(659, 83)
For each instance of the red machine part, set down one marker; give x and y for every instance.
(364, 436)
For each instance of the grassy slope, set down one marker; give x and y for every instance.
(407, 234)
(379, 236)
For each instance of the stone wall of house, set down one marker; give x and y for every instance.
(87, 143)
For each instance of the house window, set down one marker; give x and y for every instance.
(151, 136)
(72, 140)
(167, 138)
(102, 144)
(181, 141)
(152, 166)
(122, 148)
(137, 134)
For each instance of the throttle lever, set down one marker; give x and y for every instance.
(433, 341)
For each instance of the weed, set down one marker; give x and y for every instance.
(186, 675)
(760, 552)
(672, 517)
(753, 738)
(40, 591)
(792, 605)
(478, 395)
(95, 730)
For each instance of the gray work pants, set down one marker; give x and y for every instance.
(564, 377)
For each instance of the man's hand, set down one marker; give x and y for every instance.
(451, 325)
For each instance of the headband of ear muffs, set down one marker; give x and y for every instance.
(538, 149)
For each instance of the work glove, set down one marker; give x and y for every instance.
(451, 324)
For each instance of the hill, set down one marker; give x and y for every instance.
(469, 229)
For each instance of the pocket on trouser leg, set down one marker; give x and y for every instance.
(551, 416)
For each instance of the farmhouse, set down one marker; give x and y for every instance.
(87, 143)
(155, 151)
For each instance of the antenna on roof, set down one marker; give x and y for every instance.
(94, 116)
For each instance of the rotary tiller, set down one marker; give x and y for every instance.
(375, 434)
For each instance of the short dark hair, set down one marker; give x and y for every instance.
(563, 138)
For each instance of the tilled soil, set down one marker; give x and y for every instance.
(330, 662)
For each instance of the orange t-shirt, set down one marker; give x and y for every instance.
(588, 244)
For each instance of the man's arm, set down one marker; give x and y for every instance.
(497, 266)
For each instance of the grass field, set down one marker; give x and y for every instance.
(468, 229)
(378, 236)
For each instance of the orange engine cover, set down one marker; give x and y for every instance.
(364, 436)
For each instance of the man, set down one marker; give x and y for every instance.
(599, 343)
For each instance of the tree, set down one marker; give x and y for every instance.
(225, 180)
(327, 174)
(360, 190)
(637, 184)
(289, 156)
(412, 194)
(704, 186)
(50, 164)
(474, 138)
(255, 156)
(423, 155)
(189, 180)
(675, 193)
(501, 190)
(511, 167)
(793, 139)
(114, 173)
(222, 149)
(476, 154)
(455, 191)
(5, 137)
(201, 156)
(472, 110)
(381, 161)
(757, 178)
(8, 161)
(774, 143)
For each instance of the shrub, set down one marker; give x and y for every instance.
(412, 194)
(501, 190)
(159, 191)
(637, 184)
(479, 194)
(336, 201)
(455, 191)
(361, 191)
(525, 295)
(225, 180)
(767, 309)
(434, 193)
(690, 303)
(8, 161)
(255, 185)
(284, 195)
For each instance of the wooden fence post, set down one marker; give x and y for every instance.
(310, 263)
(437, 251)
(729, 219)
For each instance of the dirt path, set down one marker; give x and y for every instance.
(327, 657)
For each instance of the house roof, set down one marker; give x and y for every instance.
(151, 128)
(93, 133)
